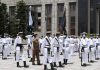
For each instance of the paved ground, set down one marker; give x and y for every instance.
(73, 64)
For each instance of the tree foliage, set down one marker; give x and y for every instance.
(3, 18)
(21, 15)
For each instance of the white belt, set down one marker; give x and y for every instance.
(47, 47)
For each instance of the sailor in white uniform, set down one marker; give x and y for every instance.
(66, 49)
(72, 45)
(92, 49)
(4, 48)
(41, 48)
(1, 44)
(46, 44)
(84, 50)
(97, 47)
(20, 49)
(56, 50)
(29, 45)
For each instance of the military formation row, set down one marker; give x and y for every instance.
(52, 49)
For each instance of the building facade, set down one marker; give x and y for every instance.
(88, 16)
(81, 15)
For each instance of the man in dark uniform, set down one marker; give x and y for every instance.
(36, 50)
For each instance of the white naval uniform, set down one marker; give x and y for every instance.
(76, 42)
(56, 52)
(29, 44)
(61, 39)
(19, 53)
(46, 45)
(97, 47)
(84, 43)
(1, 45)
(80, 47)
(9, 41)
(41, 48)
(92, 50)
(66, 48)
(72, 45)
(5, 48)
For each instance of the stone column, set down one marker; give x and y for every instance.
(7, 8)
(43, 22)
(97, 28)
(67, 17)
(54, 18)
(88, 16)
(56, 24)
(76, 19)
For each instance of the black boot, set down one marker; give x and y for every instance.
(60, 65)
(66, 61)
(30, 60)
(18, 65)
(83, 64)
(52, 67)
(45, 67)
(26, 66)
(55, 64)
(97, 58)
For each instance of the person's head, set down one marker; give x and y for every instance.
(91, 36)
(97, 36)
(35, 35)
(41, 37)
(84, 34)
(20, 34)
(48, 34)
(57, 34)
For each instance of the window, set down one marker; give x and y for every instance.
(48, 10)
(60, 9)
(39, 14)
(48, 14)
(60, 13)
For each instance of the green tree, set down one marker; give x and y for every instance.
(21, 15)
(3, 14)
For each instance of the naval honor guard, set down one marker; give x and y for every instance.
(20, 49)
(56, 50)
(46, 44)
(97, 53)
(84, 50)
(66, 49)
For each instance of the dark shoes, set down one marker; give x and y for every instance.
(91, 61)
(55, 64)
(65, 61)
(84, 64)
(26, 66)
(60, 65)
(52, 67)
(30, 60)
(4, 58)
(39, 64)
(33, 63)
(45, 67)
(97, 58)
(18, 65)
